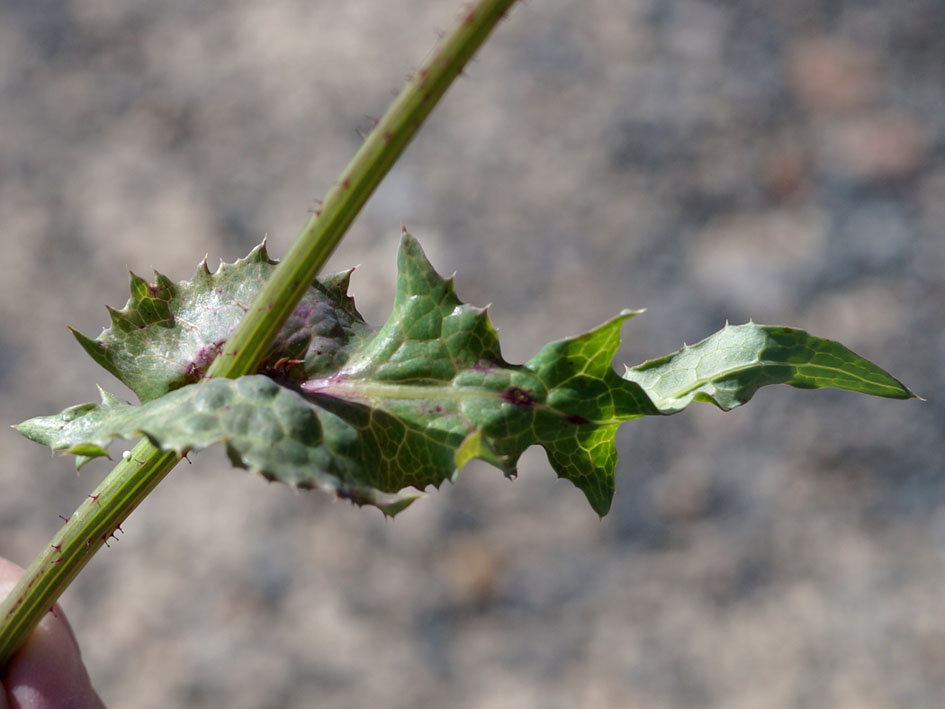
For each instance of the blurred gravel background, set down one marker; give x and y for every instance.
(705, 159)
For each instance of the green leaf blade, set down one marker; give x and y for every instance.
(728, 367)
(267, 428)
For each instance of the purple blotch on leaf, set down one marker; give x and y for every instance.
(518, 396)
(204, 358)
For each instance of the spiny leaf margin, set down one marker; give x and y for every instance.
(727, 368)
(168, 334)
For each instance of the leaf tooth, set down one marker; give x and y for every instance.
(485, 318)
(139, 288)
(450, 283)
(81, 460)
(95, 348)
(202, 274)
(336, 284)
(120, 319)
(393, 505)
(416, 275)
(485, 315)
(86, 452)
(109, 400)
(165, 284)
(259, 254)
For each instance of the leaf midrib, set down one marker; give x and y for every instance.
(759, 363)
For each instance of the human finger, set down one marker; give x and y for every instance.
(47, 672)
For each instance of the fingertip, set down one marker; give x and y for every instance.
(47, 671)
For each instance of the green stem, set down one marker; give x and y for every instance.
(134, 478)
(89, 527)
(380, 150)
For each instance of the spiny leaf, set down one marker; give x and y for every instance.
(267, 428)
(410, 404)
(727, 368)
(168, 335)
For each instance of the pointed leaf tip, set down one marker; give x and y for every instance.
(93, 347)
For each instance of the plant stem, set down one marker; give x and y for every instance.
(380, 150)
(133, 479)
(89, 527)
